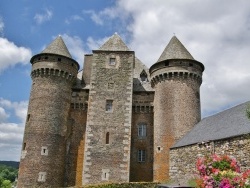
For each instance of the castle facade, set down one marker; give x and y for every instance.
(113, 121)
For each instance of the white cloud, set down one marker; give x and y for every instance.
(95, 44)
(11, 134)
(76, 47)
(45, 16)
(10, 54)
(104, 16)
(213, 32)
(73, 18)
(3, 115)
(94, 16)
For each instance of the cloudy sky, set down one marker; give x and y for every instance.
(216, 33)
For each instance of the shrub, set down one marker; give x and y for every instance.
(222, 172)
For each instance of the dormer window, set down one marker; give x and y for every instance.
(112, 61)
(144, 76)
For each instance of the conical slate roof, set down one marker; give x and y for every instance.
(114, 43)
(175, 50)
(57, 47)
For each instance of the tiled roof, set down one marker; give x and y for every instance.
(114, 43)
(175, 50)
(229, 123)
(57, 47)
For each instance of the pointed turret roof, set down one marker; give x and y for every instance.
(114, 43)
(175, 50)
(57, 47)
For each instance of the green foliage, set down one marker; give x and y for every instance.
(192, 183)
(221, 165)
(6, 184)
(7, 175)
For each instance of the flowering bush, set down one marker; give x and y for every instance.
(221, 172)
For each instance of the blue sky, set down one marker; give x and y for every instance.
(216, 33)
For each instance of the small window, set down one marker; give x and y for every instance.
(59, 59)
(46, 57)
(24, 145)
(105, 174)
(44, 150)
(141, 155)
(112, 61)
(191, 64)
(42, 176)
(166, 63)
(111, 85)
(107, 138)
(142, 130)
(28, 117)
(109, 105)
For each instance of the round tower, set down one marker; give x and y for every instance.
(176, 78)
(44, 143)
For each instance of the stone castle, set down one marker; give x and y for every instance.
(113, 121)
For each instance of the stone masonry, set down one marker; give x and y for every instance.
(183, 159)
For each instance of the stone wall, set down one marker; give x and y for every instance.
(183, 159)
(108, 131)
(76, 137)
(142, 114)
(176, 110)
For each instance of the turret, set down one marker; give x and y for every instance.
(44, 143)
(176, 78)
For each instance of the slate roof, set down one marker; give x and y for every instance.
(138, 85)
(57, 47)
(175, 50)
(229, 123)
(114, 43)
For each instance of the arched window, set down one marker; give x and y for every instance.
(107, 138)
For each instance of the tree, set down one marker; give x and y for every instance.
(6, 184)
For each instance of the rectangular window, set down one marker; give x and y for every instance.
(24, 145)
(42, 176)
(44, 150)
(142, 130)
(112, 61)
(141, 155)
(28, 117)
(111, 85)
(107, 138)
(109, 105)
(105, 174)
